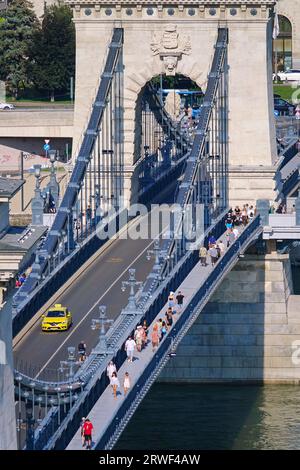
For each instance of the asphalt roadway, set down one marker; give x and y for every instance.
(39, 353)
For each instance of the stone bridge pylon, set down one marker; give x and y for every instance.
(177, 37)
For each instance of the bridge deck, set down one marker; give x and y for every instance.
(107, 406)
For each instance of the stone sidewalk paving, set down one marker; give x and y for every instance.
(106, 408)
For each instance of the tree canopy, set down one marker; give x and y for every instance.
(18, 25)
(52, 54)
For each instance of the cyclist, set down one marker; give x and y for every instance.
(82, 351)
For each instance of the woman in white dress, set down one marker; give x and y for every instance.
(115, 384)
(126, 383)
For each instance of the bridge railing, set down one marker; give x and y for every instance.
(59, 432)
(206, 170)
(61, 236)
(206, 173)
(290, 183)
(288, 154)
(287, 174)
(73, 236)
(171, 341)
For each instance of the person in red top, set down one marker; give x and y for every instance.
(87, 432)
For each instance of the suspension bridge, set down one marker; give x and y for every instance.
(77, 263)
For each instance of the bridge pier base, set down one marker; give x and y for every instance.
(8, 437)
(247, 332)
(251, 183)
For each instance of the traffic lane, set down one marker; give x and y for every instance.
(115, 300)
(36, 347)
(102, 274)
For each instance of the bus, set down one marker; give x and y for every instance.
(188, 98)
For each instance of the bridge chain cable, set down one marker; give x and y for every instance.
(204, 182)
(97, 182)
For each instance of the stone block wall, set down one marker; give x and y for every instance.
(247, 331)
(249, 55)
(8, 438)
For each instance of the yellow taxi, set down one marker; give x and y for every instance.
(58, 318)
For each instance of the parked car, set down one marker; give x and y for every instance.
(283, 107)
(6, 106)
(292, 75)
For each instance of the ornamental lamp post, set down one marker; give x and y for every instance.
(53, 185)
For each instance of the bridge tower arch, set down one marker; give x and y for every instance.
(179, 37)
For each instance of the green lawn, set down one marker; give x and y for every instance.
(32, 102)
(286, 91)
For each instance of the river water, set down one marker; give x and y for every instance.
(212, 417)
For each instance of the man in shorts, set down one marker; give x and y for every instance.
(87, 433)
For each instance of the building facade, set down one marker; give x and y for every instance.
(287, 44)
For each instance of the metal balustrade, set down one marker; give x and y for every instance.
(183, 324)
(96, 377)
(96, 186)
(205, 179)
(205, 175)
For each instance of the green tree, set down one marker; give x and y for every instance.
(53, 51)
(17, 27)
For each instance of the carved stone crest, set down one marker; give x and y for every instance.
(170, 47)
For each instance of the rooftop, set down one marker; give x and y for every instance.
(9, 187)
(21, 238)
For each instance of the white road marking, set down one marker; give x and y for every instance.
(95, 304)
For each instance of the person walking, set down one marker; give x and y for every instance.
(111, 368)
(232, 237)
(144, 338)
(227, 239)
(145, 333)
(155, 337)
(145, 326)
(82, 351)
(129, 348)
(87, 432)
(211, 240)
(171, 301)
(126, 383)
(228, 222)
(213, 255)
(222, 247)
(138, 337)
(244, 216)
(179, 298)
(160, 324)
(169, 319)
(236, 232)
(251, 213)
(115, 384)
(203, 256)
(163, 330)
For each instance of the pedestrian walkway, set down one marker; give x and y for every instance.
(106, 408)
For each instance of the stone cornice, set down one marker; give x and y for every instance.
(128, 11)
(172, 3)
